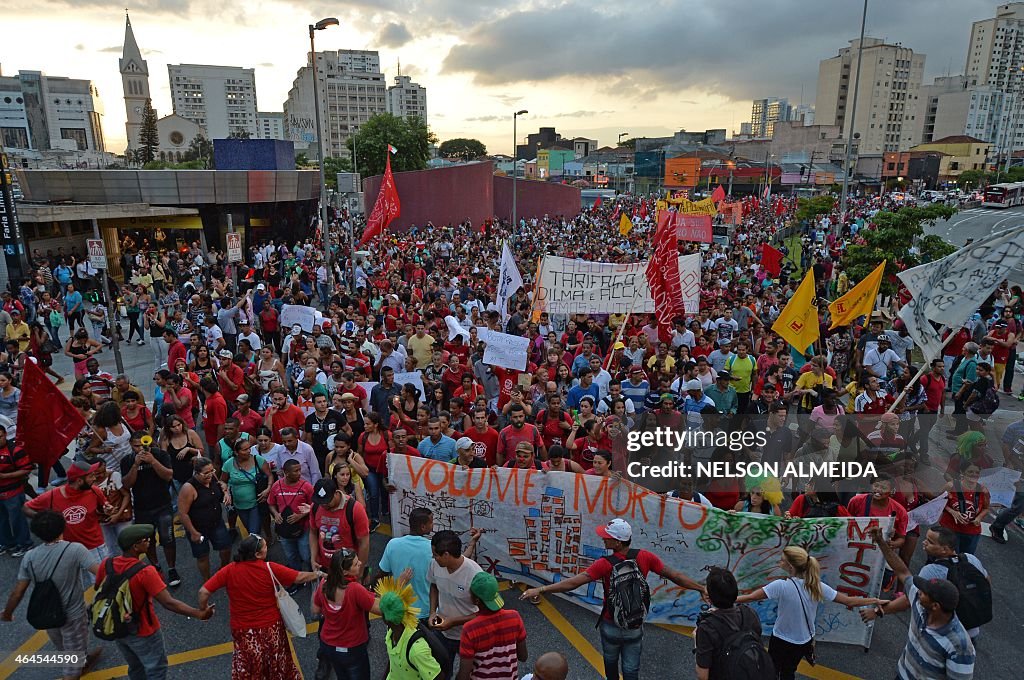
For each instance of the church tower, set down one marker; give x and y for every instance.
(135, 81)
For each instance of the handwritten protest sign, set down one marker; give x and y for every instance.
(507, 351)
(1001, 484)
(927, 514)
(539, 527)
(298, 314)
(414, 377)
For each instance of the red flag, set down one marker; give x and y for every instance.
(47, 422)
(718, 194)
(780, 208)
(663, 275)
(771, 259)
(643, 209)
(597, 202)
(386, 208)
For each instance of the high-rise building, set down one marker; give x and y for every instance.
(765, 113)
(950, 108)
(351, 90)
(221, 99)
(45, 113)
(889, 84)
(407, 99)
(134, 82)
(995, 60)
(270, 125)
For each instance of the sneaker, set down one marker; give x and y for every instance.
(19, 551)
(172, 578)
(140, 343)
(1019, 522)
(4, 549)
(373, 525)
(997, 535)
(57, 481)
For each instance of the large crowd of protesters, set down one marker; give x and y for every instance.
(255, 432)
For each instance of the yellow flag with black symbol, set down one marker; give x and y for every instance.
(798, 322)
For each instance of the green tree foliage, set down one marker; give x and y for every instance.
(890, 238)
(629, 143)
(972, 179)
(200, 149)
(166, 165)
(301, 161)
(411, 137)
(462, 149)
(332, 166)
(810, 208)
(149, 136)
(239, 134)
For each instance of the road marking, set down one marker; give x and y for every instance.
(33, 644)
(573, 636)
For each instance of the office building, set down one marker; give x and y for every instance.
(220, 99)
(407, 99)
(351, 89)
(889, 86)
(46, 113)
(270, 125)
(995, 60)
(764, 113)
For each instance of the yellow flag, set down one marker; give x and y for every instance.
(798, 322)
(625, 226)
(859, 301)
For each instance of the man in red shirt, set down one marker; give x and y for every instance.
(81, 503)
(249, 421)
(519, 431)
(144, 650)
(216, 412)
(337, 521)
(880, 503)
(485, 438)
(231, 375)
(617, 642)
(15, 467)
(175, 349)
(281, 414)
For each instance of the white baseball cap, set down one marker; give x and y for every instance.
(617, 529)
(464, 443)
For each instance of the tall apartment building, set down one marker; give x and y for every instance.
(407, 99)
(995, 59)
(270, 125)
(889, 86)
(766, 112)
(221, 99)
(45, 113)
(351, 90)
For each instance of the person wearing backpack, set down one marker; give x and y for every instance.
(963, 570)
(125, 581)
(727, 641)
(414, 652)
(798, 594)
(627, 596)
(57, 602)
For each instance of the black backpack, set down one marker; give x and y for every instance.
(437, 648)
(627, 594)
(975, 606)
(45, 605)
(742, 656)
(821, 509)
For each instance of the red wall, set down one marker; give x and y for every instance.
(535, 199)
(450, 195)
(440, 196)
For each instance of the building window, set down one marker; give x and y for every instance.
(77, 134)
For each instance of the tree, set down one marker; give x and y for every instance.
(890, 236)
(410, 136)
(969, 179)
(332, 166)
(809, 208)
(200, 149)
(462, 149)
(629, 143)
(239, 134)
(301, 161)
(149, 136)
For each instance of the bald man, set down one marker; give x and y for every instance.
(550, 666)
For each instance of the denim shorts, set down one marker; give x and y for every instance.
(219, 538)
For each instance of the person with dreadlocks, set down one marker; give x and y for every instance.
(408, 652)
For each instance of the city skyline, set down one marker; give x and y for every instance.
(587, 72)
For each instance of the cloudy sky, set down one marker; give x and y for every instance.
(590, 68)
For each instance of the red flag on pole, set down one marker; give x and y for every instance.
(385, 209)
(780, 208)
(47, 422)
(718, 195)
(663, 275)
(643, 209)
(597, 202)
(771, 259)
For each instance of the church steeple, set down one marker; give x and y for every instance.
(135, 82)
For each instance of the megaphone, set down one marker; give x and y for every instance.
(145, 440)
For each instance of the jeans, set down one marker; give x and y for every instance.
(374, 491)
(351, 664)
(13, 523)
(159, 346)
(251, 518)
(1011, 364)
(146, 657)
(1011, 513)
(296, 551)
(968, 543)
(621, 643)
(324, 292)
(53, 331)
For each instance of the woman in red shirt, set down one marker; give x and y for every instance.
(261, 643)
(136, 413)
(966, 505)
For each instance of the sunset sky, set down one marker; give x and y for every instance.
(590, 68)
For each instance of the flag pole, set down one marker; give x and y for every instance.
(921, 371)
(622, 328)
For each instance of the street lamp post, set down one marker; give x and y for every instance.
(324, 230)
(515, 164)
(849, 132)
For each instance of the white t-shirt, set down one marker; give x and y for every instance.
(254, 340)
(796, 608)
(453, 598)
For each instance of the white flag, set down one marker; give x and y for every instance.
(927, 514)
(949, 290)
(509, 280)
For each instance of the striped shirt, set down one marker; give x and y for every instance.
(945, 652)
(489, 642)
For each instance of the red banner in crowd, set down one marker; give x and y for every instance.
(691, 227)
(663, 275)
(47, 422)
(718, 195)
(771, 259)
(386, 208)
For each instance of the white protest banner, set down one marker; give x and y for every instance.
(580, 287)
(1001, 483)
(507, 351)
(509, 280)
(298, 314)
(927, 514)
(413, 377)
(455, 328)
(539, 527)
